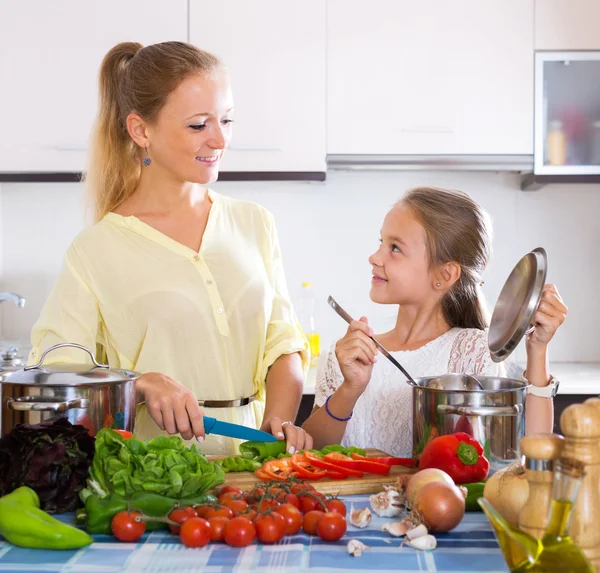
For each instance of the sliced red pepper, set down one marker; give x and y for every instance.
(409, 462)
(365, 466)
(124, 434)
(262, 474)
(304, 469)
(319, 462)
(278, 469)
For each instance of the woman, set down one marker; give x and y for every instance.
(174, 280)
(435, 245)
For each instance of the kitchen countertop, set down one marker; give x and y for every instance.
(575, 378)
(470, 547)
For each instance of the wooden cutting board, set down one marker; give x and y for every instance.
(369, 483)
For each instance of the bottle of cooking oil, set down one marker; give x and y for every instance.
(555, 552)
(306, 315)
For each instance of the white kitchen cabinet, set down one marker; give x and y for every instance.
(276, 53)
(567, 24)
(50, 54)
(430, 77)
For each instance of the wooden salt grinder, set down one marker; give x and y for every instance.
(540, 451)
(580, 424)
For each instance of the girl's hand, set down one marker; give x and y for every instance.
(550, 314)
(356, 354)
(172, 406)
(296, 438)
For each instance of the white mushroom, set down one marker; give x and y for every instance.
(356, 548)
(360, 517)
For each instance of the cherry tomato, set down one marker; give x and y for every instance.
(229, 489)
(237, 506)
(128, 526)
(217, 527)
(331, 526)
(336, 505)
(278, 494)
(191, 511)
(293, 517)
(293, 499)
(300, 488)
(195, 532)
(219, 511)
(270, 528)
(255, 494)
(239, 532)
(202, 510)
(179, 515)
(312, 502)
(310, 521)
(265, 504)
(227, 496)
(249, 514)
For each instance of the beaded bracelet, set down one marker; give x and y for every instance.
(335, 417)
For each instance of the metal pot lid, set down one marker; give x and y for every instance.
(67, 374)
(517, 303)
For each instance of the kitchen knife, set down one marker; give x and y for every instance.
(214, 426)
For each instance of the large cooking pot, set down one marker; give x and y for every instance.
(495, 415)
(95, 396)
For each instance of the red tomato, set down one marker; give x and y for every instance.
(293, 517)
(228, 495)
(310, 522)
(217, 527)
(219, 511)
(331, 526)
(190, 511)
(278, 494)
(270, 528)
(265, 504)
(128, 526)
(239, 532)
(250, 514)
(195, 532)
(237, 506)
(300, 488)
(293, 499)
(179, 515)
(202, 510)
(312, 502)
(255, 494)
(229, 489)
(336, 505)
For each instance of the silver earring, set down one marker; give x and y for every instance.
(146, 161)
(438, 285)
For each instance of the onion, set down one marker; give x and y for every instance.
(418, 480)
(439, 506)
(507, 490)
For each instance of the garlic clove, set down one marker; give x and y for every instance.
(415, 532)
(360, 517)
(356, 548)
(423, 543)
(398, 528)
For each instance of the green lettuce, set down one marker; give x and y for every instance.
(164, 465)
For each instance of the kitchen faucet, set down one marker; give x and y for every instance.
(16, 298)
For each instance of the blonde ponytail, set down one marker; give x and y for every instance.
(133, 79)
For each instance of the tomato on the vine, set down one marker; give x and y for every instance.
(336, 505)
(179, 515)
(237, 506)
(219, 511)
(331, 526)
(239, 532)
(195, 532)
(312, 501)
(293, 517)
(128, 526)
(310, 521)
(217, 527)
(270, 528)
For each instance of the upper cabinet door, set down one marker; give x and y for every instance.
(567, 25)
(430, 77)
(275, 52)
(50, 55)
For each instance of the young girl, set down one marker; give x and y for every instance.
(435, 245)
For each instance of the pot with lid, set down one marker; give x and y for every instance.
(93, 395)
(494, 414)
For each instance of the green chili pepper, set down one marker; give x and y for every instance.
(475, 491)
(100, 511)
(23, 523)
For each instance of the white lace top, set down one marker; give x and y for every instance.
(382, 416)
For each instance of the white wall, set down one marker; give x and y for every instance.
(327, 230)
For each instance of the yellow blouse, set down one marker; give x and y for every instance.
(215, 320)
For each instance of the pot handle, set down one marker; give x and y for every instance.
(62, 345)
(29, 404)
(480, 410)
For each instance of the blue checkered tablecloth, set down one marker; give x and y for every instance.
(470, 547)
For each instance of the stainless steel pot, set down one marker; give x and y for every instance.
(495, 415)
(95, 396)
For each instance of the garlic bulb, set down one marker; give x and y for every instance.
(386, 503)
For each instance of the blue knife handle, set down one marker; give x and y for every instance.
(209, 423)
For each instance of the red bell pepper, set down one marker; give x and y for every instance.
(306, 470)
(459, 455)
(277, 469)
(409, 462)
(319, 462)
(365, 466)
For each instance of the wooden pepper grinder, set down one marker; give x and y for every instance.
(540, 451)
(580, 424)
